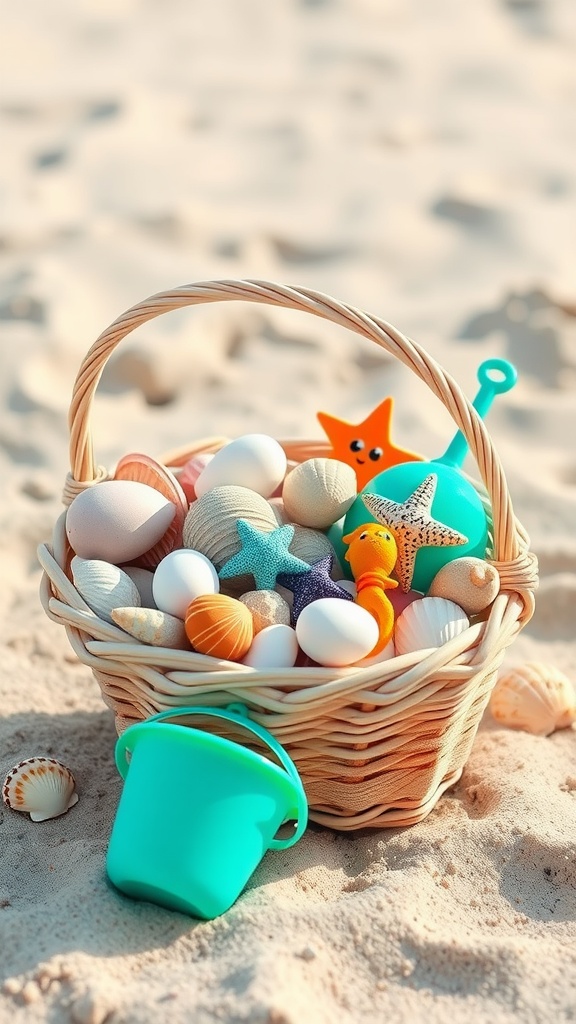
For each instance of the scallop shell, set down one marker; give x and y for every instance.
(219, 626)
(470, 582)
(267, 608)
(152, 626)
(535, 697)
(429, 622)
(103, 586)
(318, 492)
(145, 470)
(41, 786)
(210, 525)
(191, 471)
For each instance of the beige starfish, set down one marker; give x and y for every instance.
(413, 526)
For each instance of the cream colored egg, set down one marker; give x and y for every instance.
(255, 461)
(318, 492)
(180, 577)
(117, 520)
(336, 633)
(273, 647)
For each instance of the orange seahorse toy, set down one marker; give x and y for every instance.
(372, 554)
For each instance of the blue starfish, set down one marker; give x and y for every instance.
(311, 586)
(265, 555)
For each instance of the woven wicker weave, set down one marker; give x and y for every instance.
(375, 746)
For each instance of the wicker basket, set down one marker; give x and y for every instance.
(375, 746)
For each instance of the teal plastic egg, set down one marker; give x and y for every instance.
(456, 504)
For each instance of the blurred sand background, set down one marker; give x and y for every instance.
(416, 160)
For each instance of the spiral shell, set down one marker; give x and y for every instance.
(152, 626)
(210, 525)
(43, 787)
(470, 582)
(318, 492)
(219, 626)
(535, 697)
(104, 586)
(429, 622)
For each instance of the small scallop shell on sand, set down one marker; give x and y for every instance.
(151, 626)
(535, 697)
(40, 786)
(103, 586)
(318, 492)
(210, 525)
(470, 582)
(429, 622)
(267, 608)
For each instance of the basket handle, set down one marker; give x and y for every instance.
(84, 470)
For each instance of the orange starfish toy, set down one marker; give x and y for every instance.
(366, 446)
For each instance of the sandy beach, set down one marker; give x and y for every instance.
(417, 161)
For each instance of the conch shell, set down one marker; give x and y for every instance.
(535, 697)
(40, 785)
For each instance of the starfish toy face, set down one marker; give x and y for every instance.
(413, 526)
(312, 585)
(366, 446)
(265, 555)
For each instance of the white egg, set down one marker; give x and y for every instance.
(180, 577)
(117, 520)
(274, 646)
(255, 461)
(336, 633)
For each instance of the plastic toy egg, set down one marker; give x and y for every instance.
(336, 633)
(255, 461)
(181, 577)
(273, 647)
(117, 520)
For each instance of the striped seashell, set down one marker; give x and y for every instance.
(41, 786)
(470, 582)
(535, 697)
(145, 470)
(318, 492)
(190, 472)
(429, 622)
(210, 525)
(103, 586)
(219, 626)
(267, 608)
(151, 626)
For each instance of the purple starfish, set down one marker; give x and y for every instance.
(312, 585)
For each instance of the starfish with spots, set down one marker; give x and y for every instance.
(265, 555)
(413, 526)
(366, 446)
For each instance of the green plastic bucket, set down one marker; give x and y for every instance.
(198, 812)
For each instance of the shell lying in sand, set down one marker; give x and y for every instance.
(535, 697)
(41, 786)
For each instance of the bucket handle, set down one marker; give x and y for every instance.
(237, 713)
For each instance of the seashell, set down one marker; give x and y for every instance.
(256, 461)
(430, 622)
(219, 626)
(144, 470)
(535, 697)
(267, 608)
(142, 578)
(103, 586)
(152, 626)
(210, 525)
(318, 492)
(41, 786)
(277, 506)
(191, 471)
(117, 520)
(471, 582)
(311, 546)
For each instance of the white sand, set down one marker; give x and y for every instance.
(416, 160)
